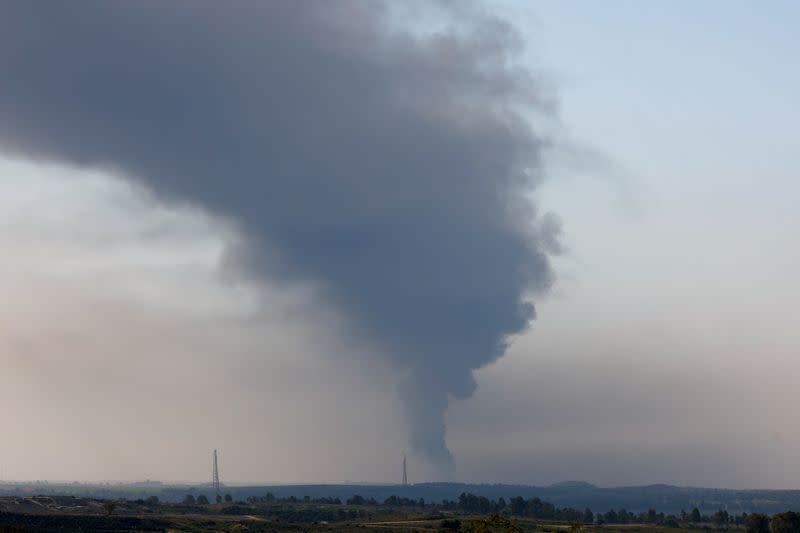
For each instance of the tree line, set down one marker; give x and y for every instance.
(270, 498)
(786, 522)
(468, 503)
(202, 499)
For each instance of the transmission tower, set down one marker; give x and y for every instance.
(215, 479)
(405, 472)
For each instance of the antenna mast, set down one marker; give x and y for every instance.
(405, 472)
(215, 479)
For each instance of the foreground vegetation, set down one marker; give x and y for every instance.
(468, 514)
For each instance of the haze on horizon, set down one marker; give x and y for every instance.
(138, 332)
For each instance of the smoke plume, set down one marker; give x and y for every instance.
(392, 168)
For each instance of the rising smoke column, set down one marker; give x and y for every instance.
(392, 169)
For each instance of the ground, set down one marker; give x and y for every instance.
(68, 514)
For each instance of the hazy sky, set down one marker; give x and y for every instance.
(666, 351)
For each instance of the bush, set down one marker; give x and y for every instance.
(757, 523)
(788, 522)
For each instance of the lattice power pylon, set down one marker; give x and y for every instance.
(215, 479)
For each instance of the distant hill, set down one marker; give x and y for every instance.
(577, 494)
(574, 485)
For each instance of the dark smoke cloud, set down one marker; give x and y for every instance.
(392, 169)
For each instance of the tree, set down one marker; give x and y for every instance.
(476, 504)
(356, 500)
(228, 498)
(189, 500)
(109, 506)
(757, 523)
(539, 509)
(694, 516)
(518, 505)
(720, 517)
(588, 516)
(788, 522)
(202, 500)
(151, 500)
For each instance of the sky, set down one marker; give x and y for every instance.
(663, 351)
